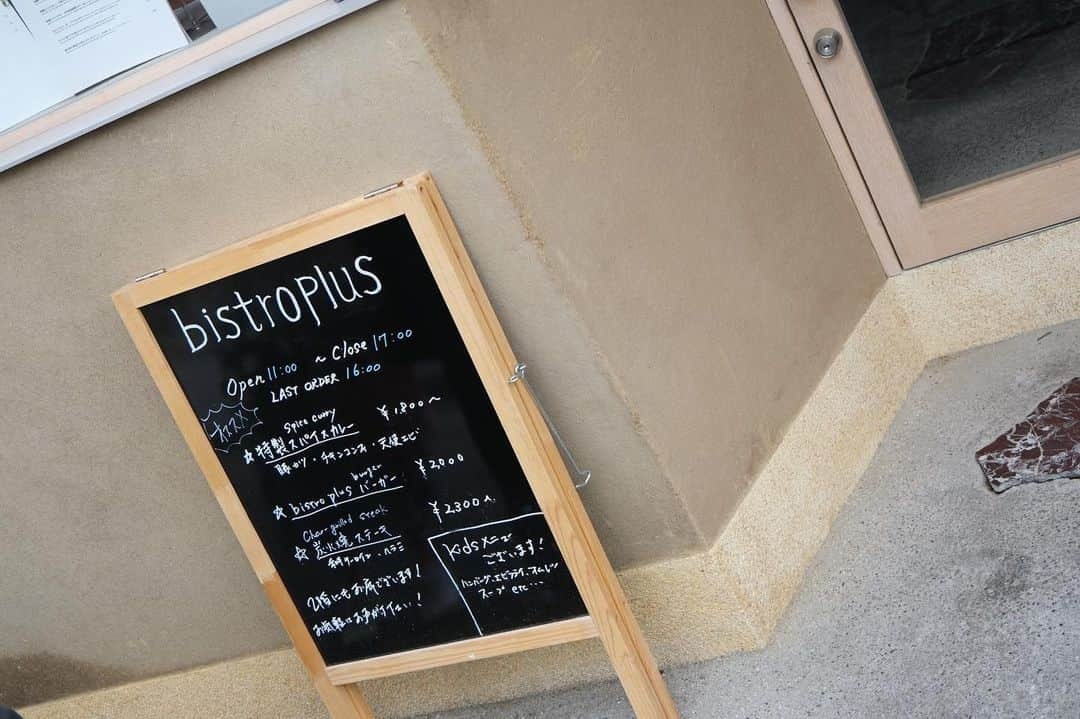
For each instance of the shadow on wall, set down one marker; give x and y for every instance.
(30, 678)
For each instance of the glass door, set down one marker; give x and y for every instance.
(963, 115)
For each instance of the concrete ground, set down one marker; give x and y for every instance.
(932, 597)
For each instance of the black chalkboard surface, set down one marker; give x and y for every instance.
(342, 404)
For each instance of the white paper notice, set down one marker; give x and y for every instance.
(52, 49)
(29, 83)
(102, 38)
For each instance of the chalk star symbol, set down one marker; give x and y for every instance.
(279, 513)
(301, 554)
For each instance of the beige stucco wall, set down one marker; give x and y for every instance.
(670, 248)
(669, 168)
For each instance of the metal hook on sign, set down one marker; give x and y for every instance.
(583, 475)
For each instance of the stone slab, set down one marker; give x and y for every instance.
(1044, 446)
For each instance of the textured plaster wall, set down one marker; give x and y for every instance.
(116, 561)
(668, 166)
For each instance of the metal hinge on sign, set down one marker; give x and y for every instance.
(582, 476)
(148, 275)
(381, 190)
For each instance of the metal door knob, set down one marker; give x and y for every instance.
(827, 43)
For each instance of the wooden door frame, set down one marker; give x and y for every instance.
(834, 135)
(905, 230)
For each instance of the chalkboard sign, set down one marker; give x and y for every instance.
(340, 398)
(343, 385)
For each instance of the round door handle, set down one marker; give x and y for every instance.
(827, 43)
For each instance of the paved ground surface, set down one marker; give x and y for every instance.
(933, 597)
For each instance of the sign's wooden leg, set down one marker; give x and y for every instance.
(599, 587)
(343, 702)
(615, 622)
(574, 533)
(633, 662)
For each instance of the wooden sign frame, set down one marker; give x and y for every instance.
(609, 617)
